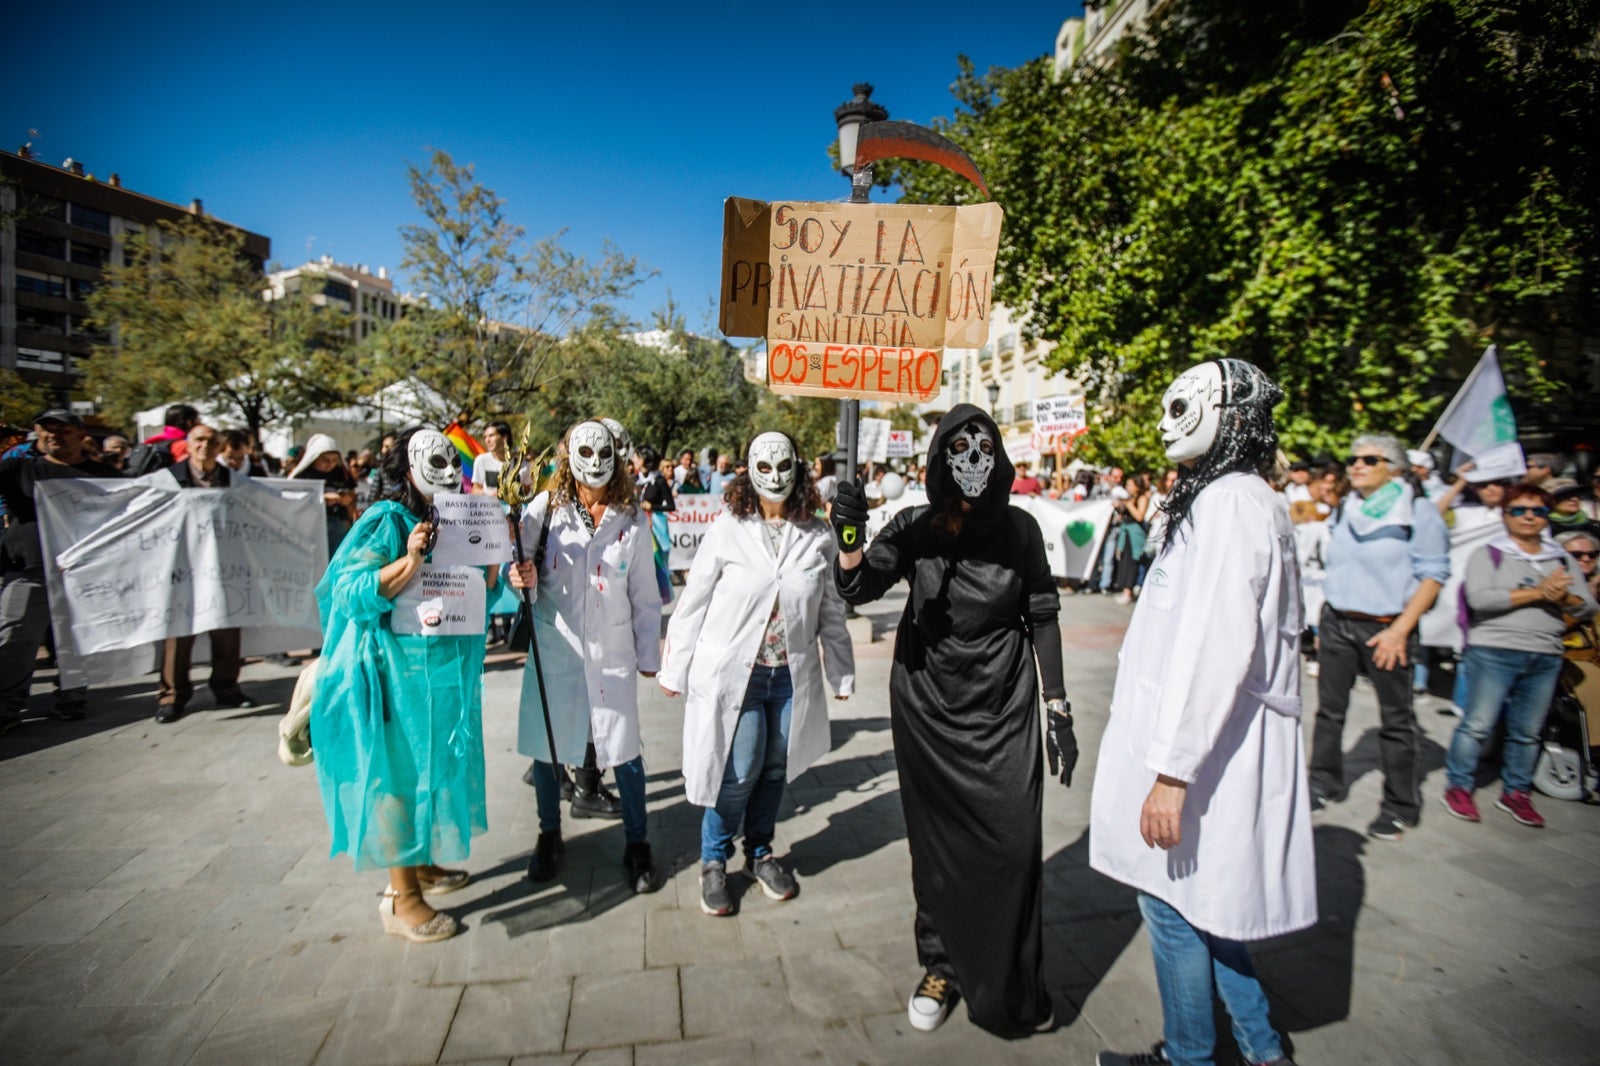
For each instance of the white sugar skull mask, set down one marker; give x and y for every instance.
(1191, 412)
(624, 441)
(970, 453)
(772, 466)
(592, 454)
(434, 462)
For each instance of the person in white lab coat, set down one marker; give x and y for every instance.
(597, 621)
(1200, 798)
(744, 642)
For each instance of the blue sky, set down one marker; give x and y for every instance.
(612, 120)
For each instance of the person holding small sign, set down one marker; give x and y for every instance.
(758, 623)
(597, 626)
(396, 715)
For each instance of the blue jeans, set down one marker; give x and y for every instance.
(1518, 683)
(1190, 965)
(752, 783)
(630, 790)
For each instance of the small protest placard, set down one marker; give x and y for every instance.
(872, 439)
(858, 300)
(440, 601)
(900, 444)
(473, 531)
(687, 527)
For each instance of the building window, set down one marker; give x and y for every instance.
(81, 289)
(88, 255)
(39, 244)
(41, 359)
(41, 321)
(38, 205)
(41, 284)
(338, 291)
(89, 218)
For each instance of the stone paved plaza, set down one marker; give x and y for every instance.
(167, 898)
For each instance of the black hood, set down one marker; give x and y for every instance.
(942, 487)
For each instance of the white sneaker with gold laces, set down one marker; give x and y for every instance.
(931, 1002)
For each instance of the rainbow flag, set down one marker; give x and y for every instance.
(469, 448)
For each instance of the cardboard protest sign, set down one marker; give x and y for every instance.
(872, 439)
(1059, 414)
(473, 531)
(134, 562)
(687, 526)
(441, 601)
(900, 444)
(858, 300)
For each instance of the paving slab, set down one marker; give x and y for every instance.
(286, 1030)
(509, 1018)
(399, 1024)
(625, 1008)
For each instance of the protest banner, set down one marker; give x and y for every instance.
(900, 445)
(1073, 532)
(441, 601)
(872, 439)
(134, 562)
(687, 527)
(858, 299)
(473, 531)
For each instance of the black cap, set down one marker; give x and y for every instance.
(1300, 464)
(58, 414)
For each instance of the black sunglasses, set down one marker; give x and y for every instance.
(1365, 460)
(433, 529)
(1582, 555)
(1537, 512)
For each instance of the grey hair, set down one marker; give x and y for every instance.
(1392, 449)
(1566, 539)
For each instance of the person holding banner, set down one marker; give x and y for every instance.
(964, 708)
(1387, 557)
(758, 607)
(396, 711)
(24, 604)
(597, 625)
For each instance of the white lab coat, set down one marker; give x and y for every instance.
(1208, 691)
(597, 620)
(716, 631)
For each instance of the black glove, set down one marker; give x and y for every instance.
(849, 516)
(1060, 744)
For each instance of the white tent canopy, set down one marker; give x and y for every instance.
(395, 407)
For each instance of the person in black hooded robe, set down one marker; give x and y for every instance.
(963, 698)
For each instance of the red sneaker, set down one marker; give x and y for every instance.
(1520, 806)
(1458, 801)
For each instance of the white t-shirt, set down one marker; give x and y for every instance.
(483, 467)
(1297, 493)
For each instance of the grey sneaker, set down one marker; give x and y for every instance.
(774, 880)
(1156, 1056)
(714, 898)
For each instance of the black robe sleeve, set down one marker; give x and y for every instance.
(1042, 610)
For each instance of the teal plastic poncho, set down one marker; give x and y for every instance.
(396, 720)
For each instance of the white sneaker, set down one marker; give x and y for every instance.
(1313, 669)
(930, 1003)
(1452, 709)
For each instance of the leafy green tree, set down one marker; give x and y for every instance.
(492, 329)
(188, 321)
(20, 399)
(1358, 197)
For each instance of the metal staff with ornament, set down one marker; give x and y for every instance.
(513, 493)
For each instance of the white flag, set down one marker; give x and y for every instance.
(1479, 419)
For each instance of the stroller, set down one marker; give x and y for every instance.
(1565, 769)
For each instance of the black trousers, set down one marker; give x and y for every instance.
(1342, 655)
(930, 950)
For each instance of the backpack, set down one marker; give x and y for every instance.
(147, 458)
(1463, 612)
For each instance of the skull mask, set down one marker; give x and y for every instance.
(592, 454)
(624, 442)
(970, 453)
(1192, 412)
(434, 462)
(772, 466)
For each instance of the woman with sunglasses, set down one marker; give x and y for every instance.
(396, 713)
(1388, 554)
(1516, 589)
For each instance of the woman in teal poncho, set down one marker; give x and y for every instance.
(396, 719)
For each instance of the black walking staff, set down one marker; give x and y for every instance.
(511, 493)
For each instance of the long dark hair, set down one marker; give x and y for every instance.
(397, 484)
(1247, 440)
(802, 504)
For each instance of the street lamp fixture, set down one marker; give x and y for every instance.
(994, 396)
(850, 116)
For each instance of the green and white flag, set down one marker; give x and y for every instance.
(1479, 419)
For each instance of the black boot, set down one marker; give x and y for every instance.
(640, 866)
(546, 861)
(594, 800)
